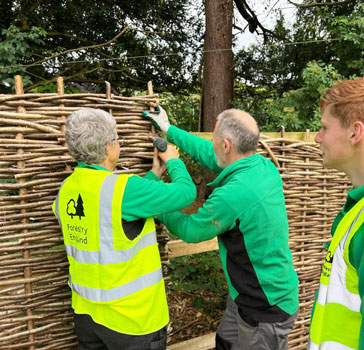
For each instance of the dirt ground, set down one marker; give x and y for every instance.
(188, 321)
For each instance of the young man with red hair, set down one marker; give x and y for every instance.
(337, 317)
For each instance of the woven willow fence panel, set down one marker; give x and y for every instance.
(314, 195)
(35, 309)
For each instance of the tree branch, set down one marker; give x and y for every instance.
(68, 35)
(315, 4)
(249, 15)
(78, 49)
(45, 82)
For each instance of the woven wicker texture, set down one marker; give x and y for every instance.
(314, 195)
(35, 309)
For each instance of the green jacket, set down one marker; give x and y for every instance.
(356, 248)
(246, 211)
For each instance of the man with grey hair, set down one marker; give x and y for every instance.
(118, 292)
(246, 211)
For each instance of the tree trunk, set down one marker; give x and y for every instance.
(218, 61)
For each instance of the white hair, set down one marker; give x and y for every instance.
(243, 137)
(88, 131)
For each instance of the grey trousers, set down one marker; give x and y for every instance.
(93, 336)
(234, 333)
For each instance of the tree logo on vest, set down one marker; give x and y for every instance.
(326, 268)
(329, 257)
(74, 209)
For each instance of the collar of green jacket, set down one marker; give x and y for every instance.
(355, 194)
(239, 164)
(91, 166)
(353, 197)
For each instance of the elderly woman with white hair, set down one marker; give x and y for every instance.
(118, 292)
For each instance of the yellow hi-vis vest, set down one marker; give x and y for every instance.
(336, 319)
(117, 281)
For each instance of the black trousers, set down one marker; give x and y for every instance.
(93, 336)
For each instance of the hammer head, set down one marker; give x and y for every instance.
(160, 144)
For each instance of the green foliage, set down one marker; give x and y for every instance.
(197, 272)
(349, 30)
(182, 109)
(160, 43)
(281, 81)
(211, 306)
(52, 88)
(296, 110)
(14, 50)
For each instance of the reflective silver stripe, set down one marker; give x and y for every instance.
(327, 345)
(105, 217)
(107, 255)
(111, 256)
(56, 209)
(104, 295)
(352, 225)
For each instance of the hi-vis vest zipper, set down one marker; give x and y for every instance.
(117, 281)
(336, 318)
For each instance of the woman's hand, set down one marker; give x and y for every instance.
(160, 159)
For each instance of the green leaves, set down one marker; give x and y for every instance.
(15, 52)
(160, 43)
(182, 109)
(349, 30)
(281, 81)
(198, 272)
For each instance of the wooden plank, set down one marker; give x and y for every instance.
(205, 342)
(179, 248)
(299, 136)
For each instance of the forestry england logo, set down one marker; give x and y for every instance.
(74, 209)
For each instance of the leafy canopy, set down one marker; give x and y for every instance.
(160, 35)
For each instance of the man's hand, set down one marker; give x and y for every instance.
(160, 119)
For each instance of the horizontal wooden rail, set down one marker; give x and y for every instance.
(299, 136)
(205, 342)
(179, 248)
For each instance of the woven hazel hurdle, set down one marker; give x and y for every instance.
(314, 195)
(35, 306)
(35, 310)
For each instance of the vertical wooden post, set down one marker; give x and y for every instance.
(150, 92)
(306, 194)
(60, 91)
(307, 135)
(22, 191)
(282, 144)
(283, 131)
(108, 93)
(283, 153)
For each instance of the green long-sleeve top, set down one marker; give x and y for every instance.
(356, 248)
(147, 196)
(246, 211)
